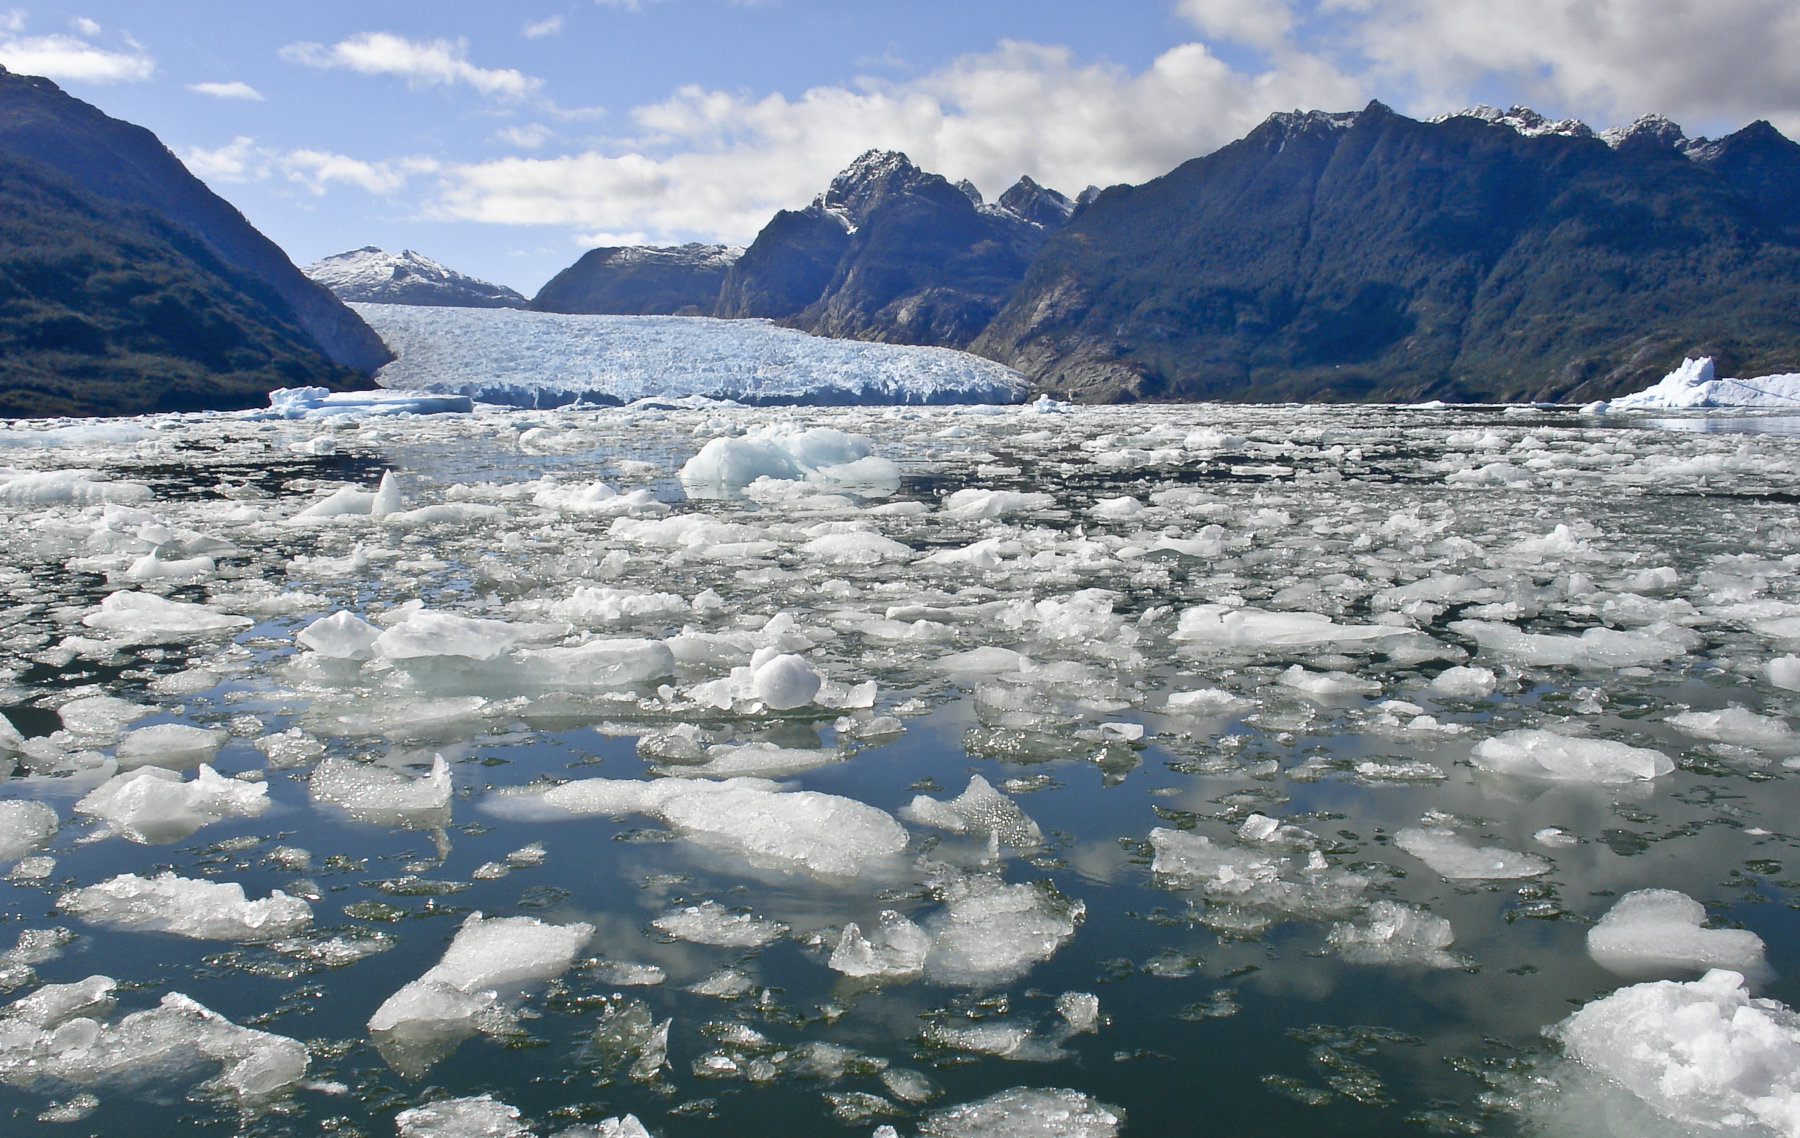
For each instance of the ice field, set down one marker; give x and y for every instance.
(912, 771)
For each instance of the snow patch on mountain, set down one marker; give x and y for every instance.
(374, 276)
(546, 359)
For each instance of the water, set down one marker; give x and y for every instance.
(1225, 1006)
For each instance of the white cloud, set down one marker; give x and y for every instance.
(316, 171)
(548, 26)
(1260, 23)
(12, 21)
(232, 90)
(718, 164)
(422, 63)
(65, 57)
(84, 26)
(527, 136)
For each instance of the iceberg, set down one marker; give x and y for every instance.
(1695, 385)
(545, 359)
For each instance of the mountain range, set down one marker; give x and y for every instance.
(127, 286)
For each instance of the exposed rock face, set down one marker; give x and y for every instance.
(682, 280)
(1037, 204)
(890, 252)
(373, 276)
(128, 165)
(1370, 256)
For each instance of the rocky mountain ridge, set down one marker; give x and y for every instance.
(371, 275)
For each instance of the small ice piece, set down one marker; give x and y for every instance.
(176, 746)
(382, 795)
(1395, 933)
(782, 680)
(1452, 857)
(1705, 1053)
(1784, 672)
(1536, 753)
(1228, 628)
(978, 503)
(781, 451)
(752, 760)
(152, 805)
(1652, 931)
(1026, 1112)
(426, 635)
(806, 831)
(856, 549)
(712, 923)
(1735, 725)
(1592, 648)
(204, 910)
(895, 949)
(480, 1117)
(1555, 837)
(148, 616)
(100, 716)
(979, 811)
(24, 827)
(340, 636)
(55, 1036)
(1206, 702)
(991, 933)
(1464, 682)
(1327, 684)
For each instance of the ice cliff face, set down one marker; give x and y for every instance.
(374, 276)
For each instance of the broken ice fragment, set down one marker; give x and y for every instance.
(1651, 931)
(24, 826)
(151, 805)
(1452, 857)
(207, 910)
(1550, 755)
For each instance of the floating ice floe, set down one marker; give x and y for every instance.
(1255, 885)
(1020, 1040)
(24, 827)
(382, 795)
(990, 933)
(1533, 753)
(793, 830)
(57, 1036)
(1651, 931)
(173, 745)
(146, 616)
(893, 949)
(1450, 856)
(1026, 1112)
(788, 451)
(979, 811)
(1228, 628)
(204, 910)
(712, 923)
(1592, 648)
(1705, 1053)
(323, 403)
(1695, 385)
(152, 805)
(1394, 933)
(468, 991)
(72, 487)
(1736, 725)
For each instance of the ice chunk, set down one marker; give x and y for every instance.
(1026, 1112)
(1593, 648)
(1465, 682)
(77, 487)
(712, 923)
(148, 616)
(173, 745)
(24, 827)
(1784, 672)
(977, 503)
(1653, 931)
(753, 760)
(895, 949)
(205, 910)
(778, 450)
(382, 795)
(598, 665)
(856, 549)
(1327, 684)
(1695, 384)
(801, 830)
(1704, 1053)
(1255, 882)
(55, 1036)
(479, 1117)
(991, 933)
(1533, 753)
(782, 680)
(1735, 725)
(425, 634)
(1395, 933)
(979, 810)
(1452, 857)
(1224, 627)
(340, 636)
(152, 805)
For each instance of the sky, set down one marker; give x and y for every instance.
(506, 137)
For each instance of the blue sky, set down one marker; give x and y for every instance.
(505, 138)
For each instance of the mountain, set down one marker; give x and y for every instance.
(633, 280)
(1484, 256)
(892, 253)
(374, 276)
(129, 166)
(111, 309)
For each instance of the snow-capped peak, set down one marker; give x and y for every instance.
(1522, 119)
(375, 276)
(1648, 131)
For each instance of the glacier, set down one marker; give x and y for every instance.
(544, 359)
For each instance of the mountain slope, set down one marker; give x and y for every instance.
(374, 276)
(129, 165)
(1367, 255)
(108, 309)
(614, 280)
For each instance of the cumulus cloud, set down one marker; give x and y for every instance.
(422, 63)
(69, 58)
(316, 171)
(232, 90)
(1260, 23)
(716, 163)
